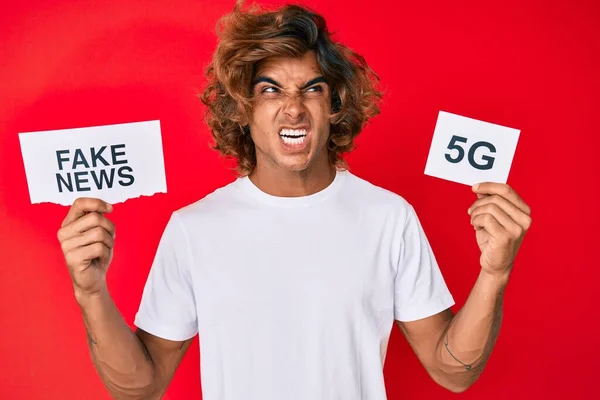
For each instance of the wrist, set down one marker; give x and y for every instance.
(85, 298)
(494, 281)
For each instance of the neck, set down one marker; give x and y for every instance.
(285, 183)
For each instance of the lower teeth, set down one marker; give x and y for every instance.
(293, 140)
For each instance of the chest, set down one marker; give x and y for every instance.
(288, 270)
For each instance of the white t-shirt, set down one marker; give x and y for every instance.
(293, 298)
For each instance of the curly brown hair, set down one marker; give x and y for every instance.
(249, 36)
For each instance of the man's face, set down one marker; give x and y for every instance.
(290, 115)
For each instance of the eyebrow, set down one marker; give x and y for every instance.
(272, 81)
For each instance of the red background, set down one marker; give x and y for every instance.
(528, 65)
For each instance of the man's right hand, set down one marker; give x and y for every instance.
(87, 239)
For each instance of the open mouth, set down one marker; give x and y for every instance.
(293, 136)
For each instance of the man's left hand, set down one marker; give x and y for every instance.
(500, 218)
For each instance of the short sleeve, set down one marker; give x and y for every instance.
(420, 289)
(168, 308)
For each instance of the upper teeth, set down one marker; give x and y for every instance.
(293, 132)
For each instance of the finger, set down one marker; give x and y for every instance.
(84, 205)
(85, 223)
(94, 235)
(509, 208)
(490, 225)
(87, 254)
(501, 217)
(503, 190)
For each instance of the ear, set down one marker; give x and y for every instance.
(244, 128)
(245, 116)
(336, 102)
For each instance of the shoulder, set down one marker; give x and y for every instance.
(383, 208)
(211, 206)
(374, 196)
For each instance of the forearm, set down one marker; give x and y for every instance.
(467, 343)
(120, 357)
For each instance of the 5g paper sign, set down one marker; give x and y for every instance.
(112, 162)
(470, 151)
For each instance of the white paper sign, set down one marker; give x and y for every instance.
(469, 151)
(112, 162)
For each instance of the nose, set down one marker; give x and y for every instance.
(294, 107)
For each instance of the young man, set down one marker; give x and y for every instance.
(294, 274)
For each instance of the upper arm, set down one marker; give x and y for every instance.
(166, 319)
(423, 336)
(422, 300)
(166, 355)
